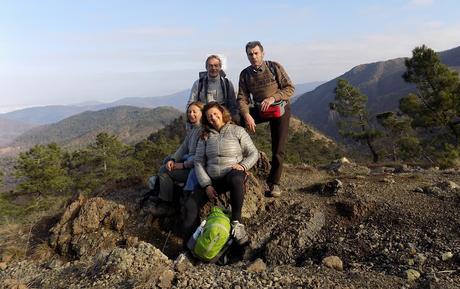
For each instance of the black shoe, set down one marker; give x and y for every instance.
(151, 195)
(162, 209)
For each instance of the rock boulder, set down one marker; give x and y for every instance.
(87, 226)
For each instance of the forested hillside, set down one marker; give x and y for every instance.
(381, 81)
(130, 124)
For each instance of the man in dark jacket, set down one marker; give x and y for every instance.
(268, 84)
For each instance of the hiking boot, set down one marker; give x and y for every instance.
(275, 191)
(161, 209)
(151, 183)
(239, 233)
(183, 259)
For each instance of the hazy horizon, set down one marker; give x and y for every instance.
(67, 52)
(6, 109)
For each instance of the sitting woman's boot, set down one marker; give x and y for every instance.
(162, 209)
(239, 233)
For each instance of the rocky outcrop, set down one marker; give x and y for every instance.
(331, 188)
(379, 234)
(353, 208)
(446, 190)
(346, 167)
(282, 237)
(296, 234)
(254, 199)
(262, 168)
(333, 262)
(87, 226)
(141, 260)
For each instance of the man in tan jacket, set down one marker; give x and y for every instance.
(268, 84)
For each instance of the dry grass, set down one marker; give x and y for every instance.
(16, 243)
(19, 240)
(41, 251)
(13, 240)
(14, 284)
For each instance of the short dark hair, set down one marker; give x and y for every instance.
(226, 117)
(254, 44)
(213, 56)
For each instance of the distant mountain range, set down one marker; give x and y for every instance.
(53, 113)
(130, 124)
(381, 81)
(302, 88)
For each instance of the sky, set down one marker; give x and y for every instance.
(66, 52)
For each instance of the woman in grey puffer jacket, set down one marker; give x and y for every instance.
(178, 167)
(223, 156)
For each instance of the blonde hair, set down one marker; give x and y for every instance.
(198, 104)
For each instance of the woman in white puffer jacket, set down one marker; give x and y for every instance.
(223, 156)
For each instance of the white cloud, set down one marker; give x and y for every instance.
(328, 59)
(158, 35)
(139, 62)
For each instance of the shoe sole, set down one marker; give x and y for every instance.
(242, 243)
(274, 194)
(269, 194)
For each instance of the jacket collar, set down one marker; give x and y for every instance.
(213, 130)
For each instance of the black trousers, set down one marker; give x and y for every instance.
(233, 182)
(279, 129)
(167, 181)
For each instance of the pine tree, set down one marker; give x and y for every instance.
(354, 121)
(102, 162)
(399, 135)
(152, 151)
(41, 170)
(435, 106)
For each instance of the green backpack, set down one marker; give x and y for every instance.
(213, 236)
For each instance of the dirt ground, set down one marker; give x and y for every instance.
(389, 228)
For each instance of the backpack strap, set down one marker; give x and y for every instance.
(246, 81)
(200, 87)
(202, 82)
(246, 76)
(222, 86)
(225, 89)
(205, 94)
(272, 68)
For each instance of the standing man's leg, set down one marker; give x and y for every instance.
(279, 129)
